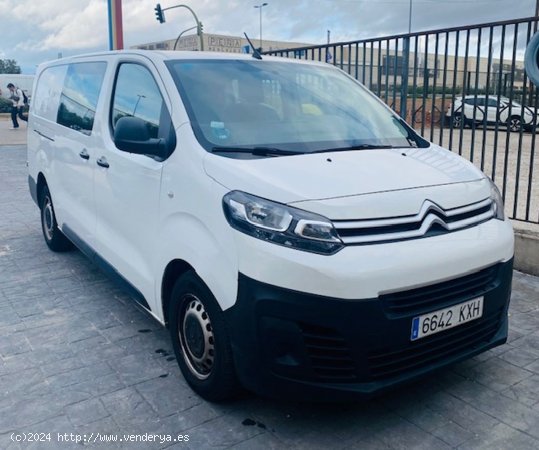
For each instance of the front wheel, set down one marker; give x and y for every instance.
(54, 238)
(459, 121)
(200, 340)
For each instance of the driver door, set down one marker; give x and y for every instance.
(127, 185)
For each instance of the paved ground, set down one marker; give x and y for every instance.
(9, 136)
(76, 358)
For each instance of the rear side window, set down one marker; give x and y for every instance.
(136, 94)
(80, 94)
(49, 89)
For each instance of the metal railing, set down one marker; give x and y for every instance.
(424, 77)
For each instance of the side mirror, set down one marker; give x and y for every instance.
(531, 59)
(132, 135)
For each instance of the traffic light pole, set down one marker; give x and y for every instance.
(198, 26)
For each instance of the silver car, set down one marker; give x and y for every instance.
(472, 109)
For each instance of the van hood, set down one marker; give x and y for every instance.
(297, 178)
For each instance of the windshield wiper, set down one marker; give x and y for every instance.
(259, 151)
(355, 147)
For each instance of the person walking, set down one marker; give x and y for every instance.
(17, 97)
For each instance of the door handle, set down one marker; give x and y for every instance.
(103, 162)
(84, 154)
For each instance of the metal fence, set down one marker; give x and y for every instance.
(462, 88)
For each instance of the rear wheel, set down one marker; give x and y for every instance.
(514, 124)
(200, 340)
(54, 238)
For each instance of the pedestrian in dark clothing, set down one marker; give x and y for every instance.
(17, 98)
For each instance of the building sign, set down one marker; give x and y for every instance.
(224, 44)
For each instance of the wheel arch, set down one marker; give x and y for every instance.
(41, 183)
(174, 270)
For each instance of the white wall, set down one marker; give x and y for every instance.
(25, 82)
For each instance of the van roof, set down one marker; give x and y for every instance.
(165, 55)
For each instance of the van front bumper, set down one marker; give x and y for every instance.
(306, 346)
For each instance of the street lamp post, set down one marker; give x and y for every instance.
(136, 104)
(259, 7)
(405, 65)
(181, 34)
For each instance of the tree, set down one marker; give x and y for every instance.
(9, 66)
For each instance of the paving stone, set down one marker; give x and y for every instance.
(78, 375)
(169, 396)
(526, 392)
(28, 381)
(52, 429)
(224, 431)
(404, 435)
(9, 318)
(133, 369)
(464, 414)
(14, 344)
(501, 437)
(507, 410)
(33, 410)
(100, 432)
(192, 417)
(520, 357)
(262, 442)
(86, 412)
(453, 434)
(97, 386)
(496, 374)
(370, 443)
(534, 367)
(128, 407)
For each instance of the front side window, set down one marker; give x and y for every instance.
(285, 105)
(80, 94)
(136, 94)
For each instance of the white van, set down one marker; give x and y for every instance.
(293, 233)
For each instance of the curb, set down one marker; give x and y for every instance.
(527, 251)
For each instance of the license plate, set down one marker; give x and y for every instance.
(447, 318)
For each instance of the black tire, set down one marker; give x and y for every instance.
(54, 238)
(514, 124)
(201, 340)
(457, 121)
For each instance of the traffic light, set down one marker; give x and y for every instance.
(159, 15)
(200, 28)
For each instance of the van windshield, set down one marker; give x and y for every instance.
(279, 108)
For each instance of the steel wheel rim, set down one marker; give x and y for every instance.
(456, 121)
(515, 124)
(196, 337)
(48, 219)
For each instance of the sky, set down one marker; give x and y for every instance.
(37, 31)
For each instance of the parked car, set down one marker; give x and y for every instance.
(498, 110)
(295, 235)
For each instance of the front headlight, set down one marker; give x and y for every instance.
(280, 224)
(497, 200)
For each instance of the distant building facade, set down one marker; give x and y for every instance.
(217, 43)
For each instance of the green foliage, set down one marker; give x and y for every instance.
(9, 66)
(5, 105)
